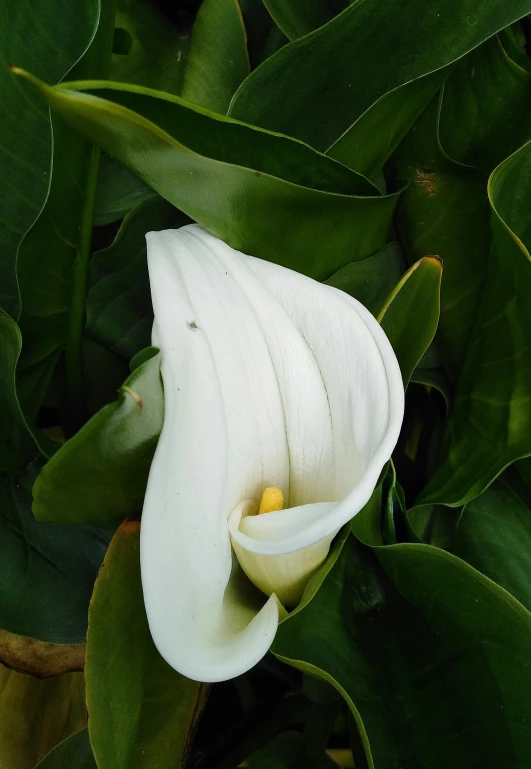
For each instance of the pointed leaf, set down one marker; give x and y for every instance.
(75, 753)
(100, 474)
(411, 313)
(217, 60)
(306, 228)
(141, 711)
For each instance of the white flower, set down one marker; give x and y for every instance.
(270, 380)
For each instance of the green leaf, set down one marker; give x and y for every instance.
(371, 140)
(148, 49)
(47, 571)
(26, 154)
(217, 60)
(371, 280)
(75, 753)
(494, 536)
(36, 715)
(100, 474)
(118, 191)
(312, 230)
(485, 114)
(141, 712)
(53, 257)
(490, 426)
(315, 88)
(16, 446)
(411, 313)
(432, 642)
(119, 311)
(298, 19)
(444, 210)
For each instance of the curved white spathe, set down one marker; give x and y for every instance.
(270, 379)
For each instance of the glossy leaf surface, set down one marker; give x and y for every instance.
(141, 711)
(25, 155)
(411, 642)
(371, 280)
(37, 714)
(369, 49)
(444, 210)
(491, 422)
(217, 61)
(411, 313)
(148, 49)
(100, 474)
(47, 571)
(494, 536)
(119, 312)
(298, 19)
(243, 205)
(485, 113)
(75, 753)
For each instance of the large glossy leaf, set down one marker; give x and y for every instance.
(218, 61)
(428, 655)
(315, 88)
(75, 753)
(371, 140)
(494, 536)
(119, 311)
(118, 191)
(222, 174)
(53, 258)
(411, 313)
(37, 714)
(490, 426)
(444, 211)
(298, 19)
(47, 571)
(25, 134)
(148, 49)
(100, 474)
(485, 113)
(141, 712)
(371, 280)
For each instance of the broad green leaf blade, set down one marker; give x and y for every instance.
(444, 210)
(434, 643)
(371, 140)
(371, 280)
(148, 49)
(315, 88)
(485, 114)
(53, 257)
(494, 536)
(411, 313)
(141, 712)
(490, 426)
(231, 189)
(25, 155)
(37, 714)
(297, 19)
(47, 571)
(73, 753)
(217, 61)
(119, 191)
(119, 311)
(100, 474)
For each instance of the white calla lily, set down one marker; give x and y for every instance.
(270, 380)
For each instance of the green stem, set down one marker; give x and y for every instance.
(74, 360)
